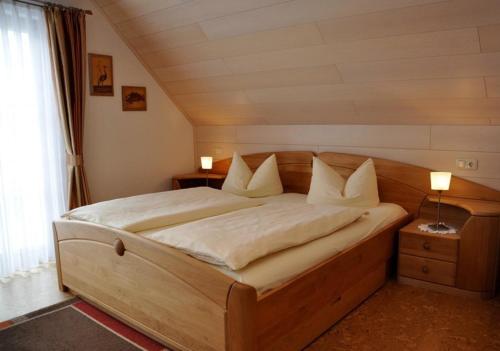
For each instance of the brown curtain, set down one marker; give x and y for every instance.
(66, 27)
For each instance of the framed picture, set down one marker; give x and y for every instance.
(101, 75)
(134, 98)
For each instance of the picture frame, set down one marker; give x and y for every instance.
(101, 75)
(134, 98)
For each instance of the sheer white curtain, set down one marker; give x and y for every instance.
(32, 173)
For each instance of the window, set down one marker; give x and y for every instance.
(32, 168)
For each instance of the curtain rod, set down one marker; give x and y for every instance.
(45, 4)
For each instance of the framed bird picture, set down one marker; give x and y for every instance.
(101, 75)
(133, 98)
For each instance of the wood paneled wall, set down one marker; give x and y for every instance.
(235, 62)
(435, 147)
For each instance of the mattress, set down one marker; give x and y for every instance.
(237, 238)
(273, 270)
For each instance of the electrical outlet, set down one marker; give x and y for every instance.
(466, 163)
(218, 151)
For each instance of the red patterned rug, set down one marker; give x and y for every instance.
(72, 325)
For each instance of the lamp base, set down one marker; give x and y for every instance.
(438, 227)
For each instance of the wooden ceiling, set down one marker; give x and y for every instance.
(229, 62)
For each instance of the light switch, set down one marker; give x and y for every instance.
(466, 163)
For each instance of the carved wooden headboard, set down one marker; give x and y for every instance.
(401, 183)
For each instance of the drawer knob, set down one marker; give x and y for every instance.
(425, 269)
(119, 247)
(426, 245)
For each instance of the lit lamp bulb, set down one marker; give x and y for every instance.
(440, 181)
(206, 164)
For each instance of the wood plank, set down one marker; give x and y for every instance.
(425, 120)
(122, 10)
(444, 15)
(220, 112)
(322, 112)
(457, 66)
(212, 99)
(489, 36)
(436, 110)
(463, 41)
(343, 113)
(359, 136)
(192, 70)
(180, 36)
(277, 78)
(294, 12)
(216, 120)
(436, 88)
(226, 134)
(185, 14)
(470, 138)
(279, 39)
(493, 86)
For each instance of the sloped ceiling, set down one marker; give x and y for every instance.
(320, 61)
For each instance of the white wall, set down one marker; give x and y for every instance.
(129, 153)
(435, 147)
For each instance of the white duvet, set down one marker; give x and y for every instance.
(143, 212)
(237, 238)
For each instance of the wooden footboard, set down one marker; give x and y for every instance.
(164, 293)
(188, 305)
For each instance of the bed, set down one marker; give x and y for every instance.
(192, 305)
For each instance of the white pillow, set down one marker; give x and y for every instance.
(329, 187)
(264, 182)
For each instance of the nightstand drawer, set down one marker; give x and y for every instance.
(427, 269)
(428, 246)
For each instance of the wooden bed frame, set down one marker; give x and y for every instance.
(188, 305)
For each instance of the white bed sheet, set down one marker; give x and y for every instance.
(157, 210)
(236, 238)
(273, 270)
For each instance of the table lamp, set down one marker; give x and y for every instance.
(206, 164)
(440, 181)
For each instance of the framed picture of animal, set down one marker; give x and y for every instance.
(134, 98)
(101, 75)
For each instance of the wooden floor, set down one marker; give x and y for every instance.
(400, 317)
(397, 317)
(21, 295)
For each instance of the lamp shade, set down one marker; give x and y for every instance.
(206, 162)
(440, 180)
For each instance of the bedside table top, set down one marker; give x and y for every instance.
(412, 228)
(200, 175)
(474, 207)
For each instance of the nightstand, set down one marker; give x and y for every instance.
(467, 262)
(427, 257)
(193, 180)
